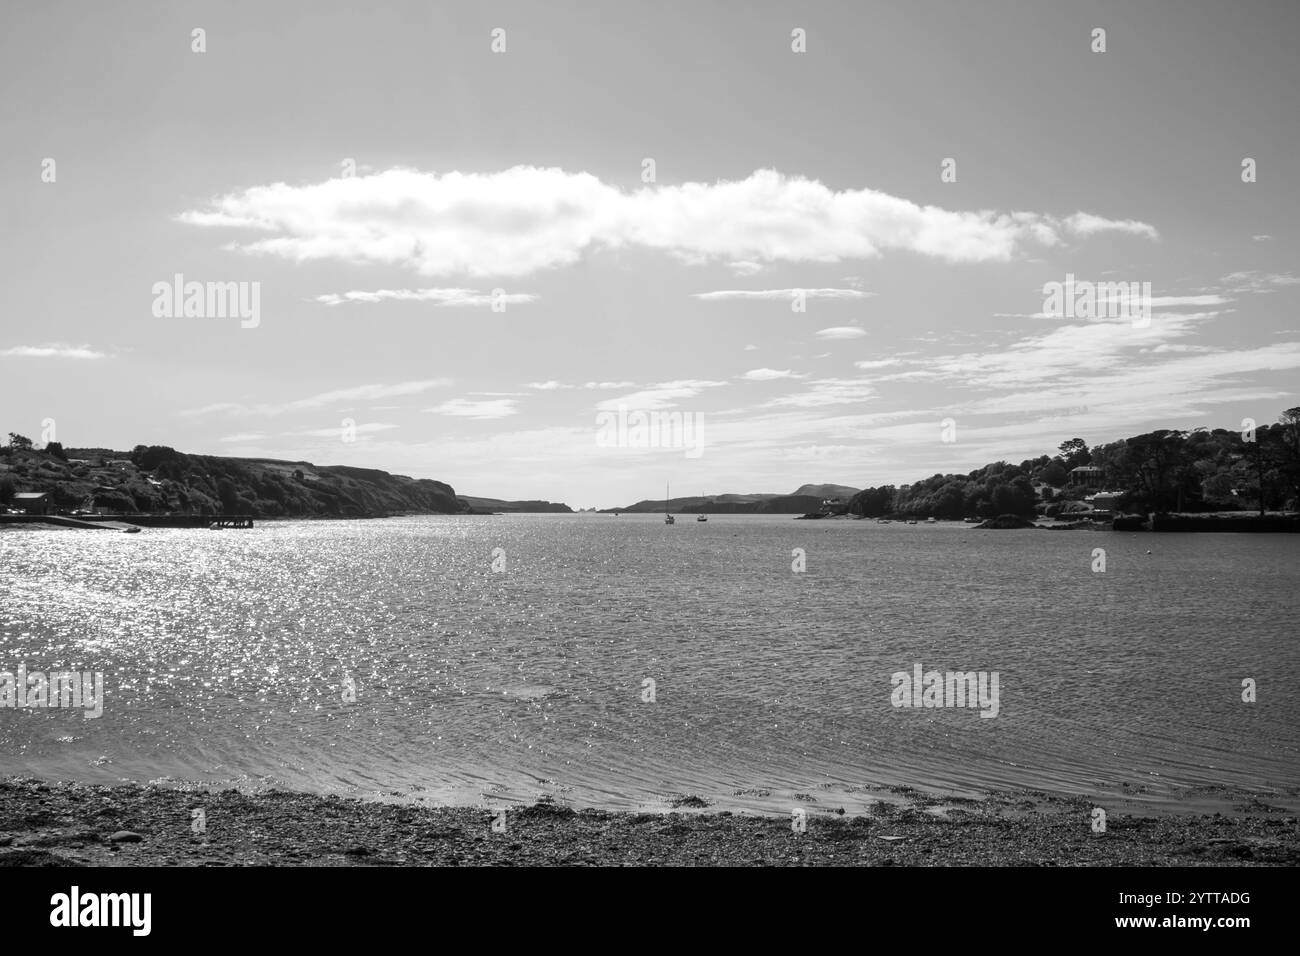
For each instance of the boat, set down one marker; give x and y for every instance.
(668, 519)
(131, 529)
(702, 516)
(932, 520)
(912, 521)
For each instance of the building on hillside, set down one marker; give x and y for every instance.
(1090, 476)
(31, 502)
(1104, 500)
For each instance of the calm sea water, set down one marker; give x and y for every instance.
(227, 656)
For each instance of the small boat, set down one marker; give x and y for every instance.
(668, 519)
(702, 516)
(912, 521)
(214, 526)
(931, 520)
(131, 529)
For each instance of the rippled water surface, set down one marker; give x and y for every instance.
(227, 654)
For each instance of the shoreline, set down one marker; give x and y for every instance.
(63, 824)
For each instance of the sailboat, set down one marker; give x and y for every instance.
(668, 519)
(702, 516)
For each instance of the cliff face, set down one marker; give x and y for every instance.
(161, 479)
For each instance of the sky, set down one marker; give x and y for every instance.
(467, 260)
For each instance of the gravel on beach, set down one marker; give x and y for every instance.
(56, 824)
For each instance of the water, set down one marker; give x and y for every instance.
(227, 655)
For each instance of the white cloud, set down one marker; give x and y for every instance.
(657, 397)
(769, 374)
(354, 394)
(827, 391)
(55, 350)
(469, 408)
(441, 297)
(1086, 224)
(368, 428)
(785, 294)
(245, 436)
(525, 219)
(841, 332)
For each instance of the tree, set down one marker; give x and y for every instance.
(1055, 474)
(55, 448)
(19, 442)
(1074, 453)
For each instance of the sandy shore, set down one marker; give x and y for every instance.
(63, 824)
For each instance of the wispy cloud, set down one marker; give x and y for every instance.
(660, 396)
(769, 374)
(784, 294)
(55, 350)
(521, 220)
(368, 428)
(441, 297)
(841, 332)
(338, 396)
(827, 391)
(472, 408)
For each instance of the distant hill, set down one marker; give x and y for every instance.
(516, 507)
(827, 491)
(805, 499)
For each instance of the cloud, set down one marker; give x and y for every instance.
(827, 391)
(244, 436)
(525, 219)
(785, 294)
(745, 269)
(1261, 238)
(354, 394)
(657, 397)
(769, 374)
(1086, 224)
(878, 363)
(469, 408)
(549, 386)
(442, 297)
(367, 429)
(1254, 281)
(841, 332)
(55, 350)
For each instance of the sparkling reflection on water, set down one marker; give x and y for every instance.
(228, 657)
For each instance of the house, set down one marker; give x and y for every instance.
(1090, 476)
(1104, 500)
(31, 502)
